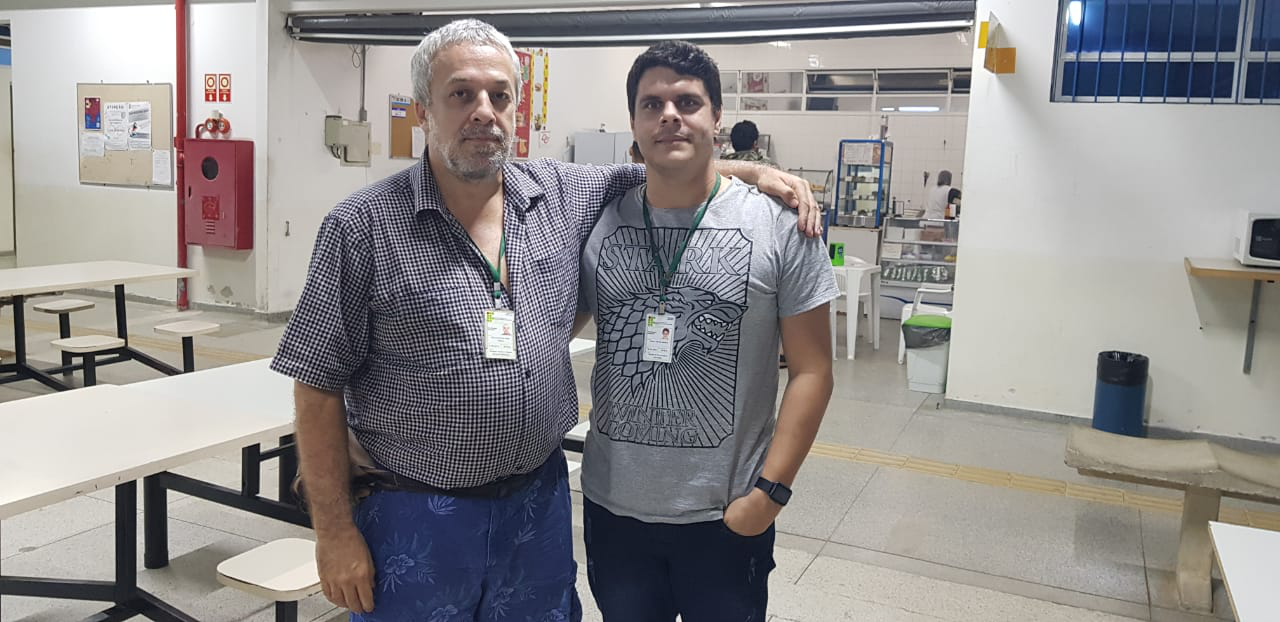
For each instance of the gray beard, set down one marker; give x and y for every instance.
(469, 169)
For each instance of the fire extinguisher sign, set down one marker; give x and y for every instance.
(224, 87)
(211, 87)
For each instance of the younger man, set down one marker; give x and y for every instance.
(685, 465)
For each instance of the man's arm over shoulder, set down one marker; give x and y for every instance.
(586, 188)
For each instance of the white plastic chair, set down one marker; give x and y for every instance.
(915, 308)
(855, 270)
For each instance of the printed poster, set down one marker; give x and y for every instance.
(92, 113)
(115, 127)
(140, 125)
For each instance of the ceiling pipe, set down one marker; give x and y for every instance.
(738, 24)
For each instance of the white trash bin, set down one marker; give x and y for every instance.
(928, 340)
(927, 369)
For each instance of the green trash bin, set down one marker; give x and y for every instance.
(928, 341)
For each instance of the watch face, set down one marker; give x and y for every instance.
(782, 495)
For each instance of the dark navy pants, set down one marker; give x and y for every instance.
(440, 558)
(649, 572)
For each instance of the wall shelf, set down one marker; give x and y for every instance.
(1217, 268)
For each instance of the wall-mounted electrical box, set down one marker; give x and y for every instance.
(347, 140)
(219, 192)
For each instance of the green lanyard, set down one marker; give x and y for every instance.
(496, 271)
(665, 273)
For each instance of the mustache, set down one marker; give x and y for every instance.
(491, 131)
(669, 135)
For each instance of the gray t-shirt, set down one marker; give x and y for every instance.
(676, 442)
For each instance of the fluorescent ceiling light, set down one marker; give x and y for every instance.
(889, 109)
(1076, 9)
(776, 33)
(918, 109)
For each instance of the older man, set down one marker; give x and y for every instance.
(434, 326)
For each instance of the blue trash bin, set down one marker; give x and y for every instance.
(1120, 396)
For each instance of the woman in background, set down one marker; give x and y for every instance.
(939, 196)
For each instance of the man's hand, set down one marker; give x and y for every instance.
(751, 515)
(797, 193)
(792, 190)
(346, 569)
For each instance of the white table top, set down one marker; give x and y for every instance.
(245, 387)
(60, 277)
(1250, 562)
(59, 446)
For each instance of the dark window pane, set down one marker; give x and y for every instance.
(1108, 79)
(1266, 26)
(1092, 17)
(1113, 39)
(914, 82)
(961, 80)
(1216, 24)
(1185, 14)
(1160, 26)
(1262, 79)
(1067, 88)
(842, 82)
(1087, 80)
(1131, 80)
(1179, 75)
(1152, 82)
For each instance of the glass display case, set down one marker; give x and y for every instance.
(863, 173)
(916, 252)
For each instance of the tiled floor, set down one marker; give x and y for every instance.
(866, 538)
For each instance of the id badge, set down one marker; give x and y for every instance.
(500, 334)
(659, 334)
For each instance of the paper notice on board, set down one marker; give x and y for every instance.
(140, 125)
(161, 170)
(115, 125)
(859, 153)
(92, 145)
(419, 141)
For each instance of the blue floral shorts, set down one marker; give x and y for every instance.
(445, 559)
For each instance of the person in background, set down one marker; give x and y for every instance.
(938, 197)
(746, 145)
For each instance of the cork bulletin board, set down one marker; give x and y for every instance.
(125, 134)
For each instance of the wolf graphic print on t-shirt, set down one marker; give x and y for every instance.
(688, 402)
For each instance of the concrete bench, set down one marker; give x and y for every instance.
(283, 571)
(1203, 470)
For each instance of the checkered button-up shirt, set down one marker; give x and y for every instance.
(392, 312)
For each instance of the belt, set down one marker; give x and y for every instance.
(497, 489)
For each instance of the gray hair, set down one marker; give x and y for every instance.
(944, 178)
(458, 32)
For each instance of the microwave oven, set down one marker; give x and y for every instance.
(1257, 239)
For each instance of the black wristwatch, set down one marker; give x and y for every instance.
(776, 491)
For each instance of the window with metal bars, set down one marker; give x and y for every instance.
(1168, 51)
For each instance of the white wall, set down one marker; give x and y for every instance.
(58, 219)
(1077, 219)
